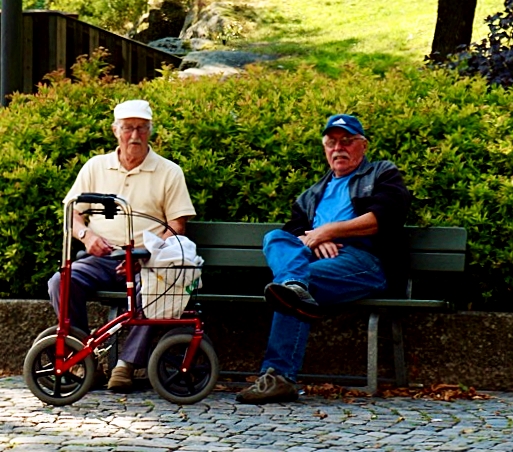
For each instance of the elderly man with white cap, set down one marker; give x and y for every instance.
(152, 185)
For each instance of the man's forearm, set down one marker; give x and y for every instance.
(361, 226)
(364, 225)
(177, 225)
(78, 223)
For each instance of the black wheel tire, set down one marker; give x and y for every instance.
(185, 330)
(166, 377)
(38, 372)
(76, 333)
(50, 331)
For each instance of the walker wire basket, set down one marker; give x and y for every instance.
(166, 291)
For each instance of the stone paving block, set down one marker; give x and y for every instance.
(205, 448)
(85, 449)
(300, 449)
(258, 449)
(141, 449)
(34, 448)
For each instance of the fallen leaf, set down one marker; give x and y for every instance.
(320, 414)
(440, 392)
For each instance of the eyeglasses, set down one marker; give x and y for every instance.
(129, 130)
(344, 141)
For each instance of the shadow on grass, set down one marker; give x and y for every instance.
(328, 58)
(294, 43)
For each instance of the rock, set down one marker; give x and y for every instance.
(214, 22)
(208, 70)
(221, 58)
(162, 21)
(201, 44)
(174, 46)
(177, 46)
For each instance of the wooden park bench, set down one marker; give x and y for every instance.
(233, 246)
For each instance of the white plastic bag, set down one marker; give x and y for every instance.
(166, 286)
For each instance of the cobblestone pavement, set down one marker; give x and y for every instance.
(143, 422)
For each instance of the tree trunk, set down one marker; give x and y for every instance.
(453, 27)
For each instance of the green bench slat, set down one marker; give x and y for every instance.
(110, 294)
(250, 235)
(399, 303)
(231, 257)
(375, 302)
(437, 238)
(437, 262)
(371, 302)
(224, 244)
(223, 234)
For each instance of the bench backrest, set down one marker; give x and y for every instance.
(224, 244)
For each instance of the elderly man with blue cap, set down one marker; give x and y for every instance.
(344, 242)
(152, 185)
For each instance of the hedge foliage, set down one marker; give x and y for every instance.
(250, 144)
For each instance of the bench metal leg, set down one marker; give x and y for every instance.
(372, 354)
(113, 340)
(401, 375)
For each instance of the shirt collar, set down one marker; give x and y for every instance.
(149, 163)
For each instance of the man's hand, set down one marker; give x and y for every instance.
(121, 268)
(327, 250)
(96, 245)
(323, 250)
(315, 237)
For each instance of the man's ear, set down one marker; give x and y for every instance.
(115, 131)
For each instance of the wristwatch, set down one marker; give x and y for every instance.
(82, 233)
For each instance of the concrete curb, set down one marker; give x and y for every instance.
(469, 348)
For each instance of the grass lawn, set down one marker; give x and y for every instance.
(327, 33)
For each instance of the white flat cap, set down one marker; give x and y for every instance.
(133, 109)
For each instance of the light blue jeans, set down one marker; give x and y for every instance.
(352, 275)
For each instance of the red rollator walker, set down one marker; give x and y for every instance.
(183, 368)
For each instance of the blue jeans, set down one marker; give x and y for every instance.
(87, 276)
(352, 275)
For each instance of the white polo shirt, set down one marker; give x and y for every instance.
(156, 187)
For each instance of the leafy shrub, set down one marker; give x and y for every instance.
(250, 144)
(118, 16)
(492, 57)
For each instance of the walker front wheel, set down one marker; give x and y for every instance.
(170, 381)
(50, 331)
(40, 377)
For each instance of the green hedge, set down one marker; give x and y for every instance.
(250, 144)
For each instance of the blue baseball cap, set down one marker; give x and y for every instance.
(346, 122)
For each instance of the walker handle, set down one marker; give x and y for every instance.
(108, 202)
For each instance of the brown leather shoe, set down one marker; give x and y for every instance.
(120, 380)
(269, 388)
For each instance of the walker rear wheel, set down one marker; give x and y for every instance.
(39, 372)
(168, 379)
